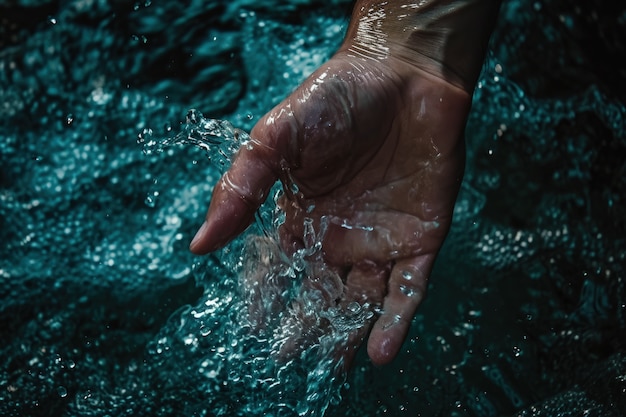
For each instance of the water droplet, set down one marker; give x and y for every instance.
(62, 391)
(407, 275)
(193, 116)
(190, 340)
(395, 320)
(248, 144)
(144, 135)
(151, 199)
(408, 291)
(309, 238)
(354, 307)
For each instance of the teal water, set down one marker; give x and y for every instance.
(104, 312)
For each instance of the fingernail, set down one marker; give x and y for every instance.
(199, 234)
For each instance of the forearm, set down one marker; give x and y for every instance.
(447, 38)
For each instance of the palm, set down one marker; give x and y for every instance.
(375, 151)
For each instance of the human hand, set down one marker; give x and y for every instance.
(375, 149)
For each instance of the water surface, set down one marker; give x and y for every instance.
(104, 311)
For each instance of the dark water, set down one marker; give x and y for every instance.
(105, 313)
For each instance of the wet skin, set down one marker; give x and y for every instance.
(375, 148)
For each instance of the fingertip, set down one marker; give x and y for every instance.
(225, 220)
(386, 339)
(406, 290)
(196, 245)
(211, 236)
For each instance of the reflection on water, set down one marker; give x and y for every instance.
(105, 312)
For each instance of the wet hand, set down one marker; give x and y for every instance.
(371, 151)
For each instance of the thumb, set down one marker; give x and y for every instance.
(237, 196)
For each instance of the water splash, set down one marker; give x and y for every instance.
(271, 331)
(268, 334)
(218, 139)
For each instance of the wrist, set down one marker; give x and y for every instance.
(447, 38)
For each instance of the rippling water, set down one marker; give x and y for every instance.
(105, 312)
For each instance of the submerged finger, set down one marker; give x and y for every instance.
(405, 291)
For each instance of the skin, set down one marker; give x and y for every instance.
(374, 143)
